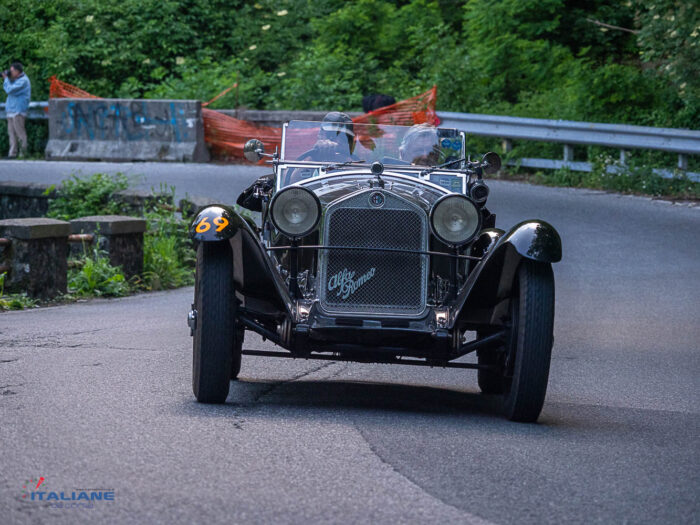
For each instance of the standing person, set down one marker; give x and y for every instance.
(19, 91)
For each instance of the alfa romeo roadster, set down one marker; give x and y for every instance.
(375, 245)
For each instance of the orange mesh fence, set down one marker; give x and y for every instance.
(416, 110)
(227, 135)
(60, 89)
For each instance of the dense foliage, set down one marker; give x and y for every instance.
(632, 61)
(168, 255)
(86, 196)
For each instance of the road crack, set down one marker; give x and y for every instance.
(469, 518)
(279, 384)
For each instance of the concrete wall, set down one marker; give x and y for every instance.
(124, 130)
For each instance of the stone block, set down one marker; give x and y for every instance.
(119, 236)
(24, 199)
(34, 228)
(36, 256)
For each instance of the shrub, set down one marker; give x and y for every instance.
(95, 276)
(163, 265)
(168, 258)
(84, 196)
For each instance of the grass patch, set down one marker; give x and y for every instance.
(14, 301)
(92, 275)
(168, 257)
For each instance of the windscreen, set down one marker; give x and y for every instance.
(338, 141)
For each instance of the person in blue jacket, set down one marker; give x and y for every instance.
(19, 91)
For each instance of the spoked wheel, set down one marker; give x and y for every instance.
(529, 343)
(214, 333)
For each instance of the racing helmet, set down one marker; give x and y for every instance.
(420, 145)
(336, 125)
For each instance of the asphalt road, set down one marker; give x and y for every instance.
(98, 395)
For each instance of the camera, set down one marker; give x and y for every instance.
(6, 72)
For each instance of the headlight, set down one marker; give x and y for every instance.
(479, 192)
(455, 219)
(295, 211)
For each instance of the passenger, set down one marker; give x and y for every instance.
(420, 145)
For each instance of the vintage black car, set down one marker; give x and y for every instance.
(375, 245)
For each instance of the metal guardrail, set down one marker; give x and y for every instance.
(684, 142)
(37, 110)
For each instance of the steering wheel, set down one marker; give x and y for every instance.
(313, 153)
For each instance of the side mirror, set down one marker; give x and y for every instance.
(491, 163)
(253, 150)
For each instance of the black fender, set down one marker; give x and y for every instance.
(254, 274)
(215, 223)
(481, 298)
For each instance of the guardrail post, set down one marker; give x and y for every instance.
(36, 256)
(623, 157)
(683, 162)
(507, 145)
(568, 153)
(120, 236)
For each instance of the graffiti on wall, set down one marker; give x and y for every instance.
(128, 120)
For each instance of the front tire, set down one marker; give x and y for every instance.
(530, 348)
(214, 334)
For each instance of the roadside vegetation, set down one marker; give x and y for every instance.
(13, 301)
(85, 196)
(610, 175)
(169, 259)
(168, 256)
(91, 275)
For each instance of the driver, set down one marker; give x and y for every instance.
(335, 141)
(420, 145)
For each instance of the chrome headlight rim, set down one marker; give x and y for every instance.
(477, 227)
(316, 206)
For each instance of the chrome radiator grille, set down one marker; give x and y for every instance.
(366, 281)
